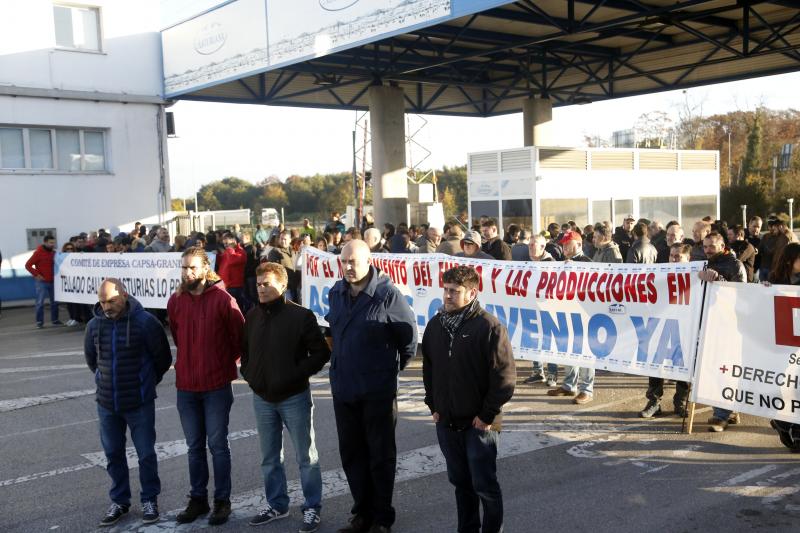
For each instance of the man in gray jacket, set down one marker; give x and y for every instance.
(471, 246)
(606, 250)
(641, 251)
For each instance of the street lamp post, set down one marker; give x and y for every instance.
(791, 214)
(744, 215)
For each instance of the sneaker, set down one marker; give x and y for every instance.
(734, 419)
(681, 412)
(58, 323)
(268, 515)
(39, 325)
(220, 513)
(650, 410)
(114, 513)
(583, 398)
(358, 524)
(311, 520)
(551, 381)
(534, 379)
(72, 322)
(717, 424)
(560, 391)
(149, 512)
(196, 507)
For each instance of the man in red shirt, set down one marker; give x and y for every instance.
(232, 262)
(40, 265)
(207, 329)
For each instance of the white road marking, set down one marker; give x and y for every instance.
(40, 355)
(747, 476)
(40, 368)
(21, 403)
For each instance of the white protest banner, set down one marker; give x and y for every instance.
(749, 361)
(151, 278)
(637, 319)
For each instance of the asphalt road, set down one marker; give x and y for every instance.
(596, 467)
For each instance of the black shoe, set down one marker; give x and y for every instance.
(114, 513)
(221, 512)
(197, 507)
(57, 323)
(681, 412)
(358, 524)
(535, 379)
(149, 512)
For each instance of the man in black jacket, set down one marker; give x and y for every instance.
(492, 243)
(283, 348)
(722, 266)
(128, 351)
(469, 374)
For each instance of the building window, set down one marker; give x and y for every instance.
(563, 210)
(694, 208)
(54, 149)
(622, 208)
(661, 208)
(519, 212)
(601, 211)
(485, 209)
(77, 27)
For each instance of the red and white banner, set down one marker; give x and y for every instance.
(636, 319)
(750, 350)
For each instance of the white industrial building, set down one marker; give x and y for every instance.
(82, 121)
(535, 186)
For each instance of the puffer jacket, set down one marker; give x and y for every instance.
(129, 356)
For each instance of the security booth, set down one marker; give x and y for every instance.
(535, 186)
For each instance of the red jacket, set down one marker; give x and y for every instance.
(41, 263)
(207, 329)
(231, 266)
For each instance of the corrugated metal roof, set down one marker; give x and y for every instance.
(486, 64)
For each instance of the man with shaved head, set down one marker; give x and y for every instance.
(128, 351)
(373, 334)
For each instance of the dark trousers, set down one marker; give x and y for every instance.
(655, 391)
(471, 457)
(204, 417)
(142, 422)
(369, 454)
(239, 295)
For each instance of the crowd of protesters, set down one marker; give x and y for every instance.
(245, 308)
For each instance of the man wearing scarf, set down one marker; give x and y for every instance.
(469, 374)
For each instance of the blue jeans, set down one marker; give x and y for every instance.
(722, 414)
(580, 378)
(142, 421)
(471, 457)
(297, 414)
(45, 290)
(552, 369)
(204, 417)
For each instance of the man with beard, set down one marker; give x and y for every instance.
(40, 265)
(207, 329)
(127, 350)
(469, 374)
(282, 254)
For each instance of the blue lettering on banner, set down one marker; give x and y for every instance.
(550, 331)
(530, 329)
(319, 304)
(511, 322)
(601, 349)
(577, 333)
(644, 332)
(669, 345)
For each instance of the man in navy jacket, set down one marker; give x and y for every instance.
(128, 351)
(374, 334)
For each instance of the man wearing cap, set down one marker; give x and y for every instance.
(471, 246)
(623, 235)
(578, 378)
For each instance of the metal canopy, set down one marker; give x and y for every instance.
(572, 51)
